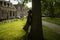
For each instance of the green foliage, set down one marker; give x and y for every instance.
(26, 7)
(50, 0)
(58, 1)
(50, 7)
(57, 7)
(23, 3)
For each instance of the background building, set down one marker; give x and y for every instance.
(21, 12)
(7, 10)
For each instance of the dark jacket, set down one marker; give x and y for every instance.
(29, 18)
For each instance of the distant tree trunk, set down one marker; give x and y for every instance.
(36, 29)
(51, 10)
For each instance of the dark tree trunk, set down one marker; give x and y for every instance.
(51, 10)
(36, 29)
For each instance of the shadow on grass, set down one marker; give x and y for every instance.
(1, 39)
(24, 37)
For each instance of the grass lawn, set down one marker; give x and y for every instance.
(52, 20)
(49, 34)
(13, 31)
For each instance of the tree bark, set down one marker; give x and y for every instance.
(51, 10)
(36, 29)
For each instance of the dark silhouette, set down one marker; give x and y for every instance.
(36, 32)
(28, 23)
(26, 27)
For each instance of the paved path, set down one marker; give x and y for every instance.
(54, 27)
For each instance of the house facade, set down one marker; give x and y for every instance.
(21, 12)
(10, 11)
(7, 10)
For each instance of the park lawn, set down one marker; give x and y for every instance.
(52, 20)
(13, 31)
(49, 34)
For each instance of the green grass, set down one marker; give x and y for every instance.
(13, 31)
(52, 20)
(49, 34)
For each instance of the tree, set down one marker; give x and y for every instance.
(51, 13)
(36, 29)
(49, 7)
(26, 7)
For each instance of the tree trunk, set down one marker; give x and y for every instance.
(36, 29)
(51, 10)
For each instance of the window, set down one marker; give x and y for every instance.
(0, 3)
(10, 13)
(8, 4)
(5, 3)
(13, 14)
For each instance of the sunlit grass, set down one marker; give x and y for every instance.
(12, 30)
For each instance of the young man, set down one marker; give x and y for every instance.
(28, 23)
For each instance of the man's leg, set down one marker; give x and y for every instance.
(26, 27)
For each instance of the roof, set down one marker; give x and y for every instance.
(8, 9)
(6, 1)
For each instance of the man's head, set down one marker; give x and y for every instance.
(30, 11)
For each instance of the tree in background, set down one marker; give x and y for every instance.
(50, 7)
